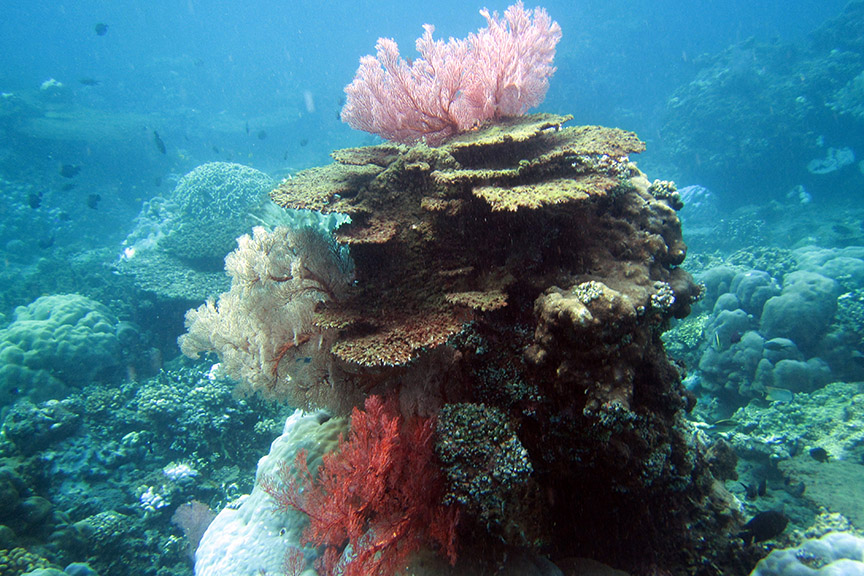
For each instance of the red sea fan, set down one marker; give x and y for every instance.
(502, 70)
(376, 499)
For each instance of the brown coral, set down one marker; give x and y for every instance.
(439, 232)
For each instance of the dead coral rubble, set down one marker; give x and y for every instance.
(531, 268)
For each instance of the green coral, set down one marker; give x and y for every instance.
(849, 317)
(831, 418)
(686, 335)
(775, 261)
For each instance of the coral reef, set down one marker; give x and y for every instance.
(98, 475)
(758, 115)
(529, 268)
(781, 320)
(777, 442)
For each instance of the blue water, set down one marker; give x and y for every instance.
(734, 101)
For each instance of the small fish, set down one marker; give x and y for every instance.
(68, 186)
(64, 217)
(160, 145)
(34, 200)
(762, 488)
(247, 127)
(215, 149)
(46, 242)
(717, 345)
(722, 426)
(87, 81)
(735, 337)
(101, 29)
(262, 135)
(304, 142)
(750, 492)
(775, 394)
(764, 526)
(820, 454)
(69, 170)
(93, 201)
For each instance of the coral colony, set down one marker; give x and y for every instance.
(485, 330)
(502, 70)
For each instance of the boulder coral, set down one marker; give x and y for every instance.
(179, 242)
(59, 343)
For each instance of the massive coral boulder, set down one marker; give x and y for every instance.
(59, 343)
(177, 248)
(528, 268)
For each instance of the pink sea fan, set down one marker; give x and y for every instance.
(501, 70)
(193, 518)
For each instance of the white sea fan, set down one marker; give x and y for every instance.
(262, 329)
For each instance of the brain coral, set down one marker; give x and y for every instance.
(212, 208)
(55, 343)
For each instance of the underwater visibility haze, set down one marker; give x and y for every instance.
(379, 288)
